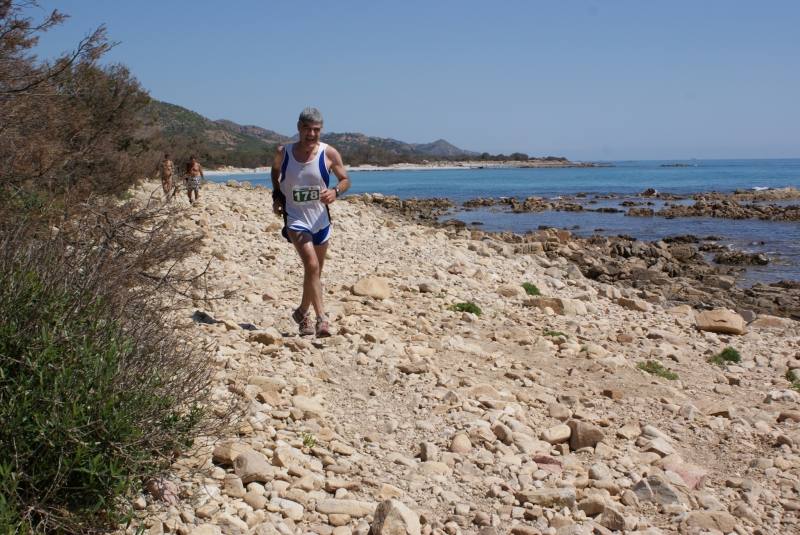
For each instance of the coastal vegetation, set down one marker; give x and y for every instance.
(97, 395)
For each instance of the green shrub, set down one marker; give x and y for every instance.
(555, 333)
(654, 367)
(725, 356)
(470, 307)
(729, 354)
(96, 394)
(531, 289)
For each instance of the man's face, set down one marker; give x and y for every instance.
(192, 161)
(309, 132)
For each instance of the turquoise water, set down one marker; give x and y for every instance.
(781, 241)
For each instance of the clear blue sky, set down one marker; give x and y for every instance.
(586, 80)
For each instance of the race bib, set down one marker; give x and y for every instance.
(308, 194)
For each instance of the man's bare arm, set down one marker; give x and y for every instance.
(202, 176)
(337, 168)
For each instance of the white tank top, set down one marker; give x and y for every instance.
(302, 183)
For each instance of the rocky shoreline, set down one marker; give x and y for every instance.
(592, 408)
(671, 271)
(713, 204)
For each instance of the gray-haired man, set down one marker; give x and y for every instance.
(301, 194)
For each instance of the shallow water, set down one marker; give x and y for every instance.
(781, 241)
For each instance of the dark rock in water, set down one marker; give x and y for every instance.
(649, 192)
(476, 223)
(712, 238)
(712, 247)
(789, 285)
(640, 212)
(685, 238)
(739, 258)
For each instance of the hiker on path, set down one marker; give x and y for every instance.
(301, 194)
(194, 174)
(165, 171)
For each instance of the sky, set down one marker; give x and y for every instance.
(588, 80)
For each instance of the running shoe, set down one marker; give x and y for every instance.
(304, 321)
(322, 328)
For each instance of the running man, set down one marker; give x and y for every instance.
(301, 194)
(194, 174)
(165, 170)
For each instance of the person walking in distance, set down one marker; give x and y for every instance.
(165, 171)
(194, 178)
(301, 194)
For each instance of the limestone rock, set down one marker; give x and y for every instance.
(635, 304)
(461, 444)
(657, 489)
(226, 453)
(562, 307)
(511, 290)
(556, 498)
(557, 434)
(232, 525)
(721, 321)
(309, 407)
(163, 489)
(710, 520)
(267, 384)
(693, 476)
(393, 518)
(270, 336)
(584, 435)
(253, 466)
(353, 508)
(374, 287)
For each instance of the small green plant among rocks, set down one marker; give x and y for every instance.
(654, 367)
(531, 289)
(470, 307)
(725, 356)
(309, 441)
(555, 333)
(792, 377)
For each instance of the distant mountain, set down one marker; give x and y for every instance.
(268, 136)
(442, 148)
(351, 141)
(173, 121)
(225, 136)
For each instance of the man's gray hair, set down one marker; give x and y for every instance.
(311, 115)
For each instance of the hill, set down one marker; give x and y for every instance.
(176, 121)
(442, 148)
(268, 136)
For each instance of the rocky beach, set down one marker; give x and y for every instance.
(599, 398)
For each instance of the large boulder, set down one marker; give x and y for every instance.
(721, 321)
(253, 466)
(374, 287)
(584, 435)
(393, 518)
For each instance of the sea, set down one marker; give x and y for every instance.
(625, 180)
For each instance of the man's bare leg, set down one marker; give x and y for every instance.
(166, 185)
(313, 258)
